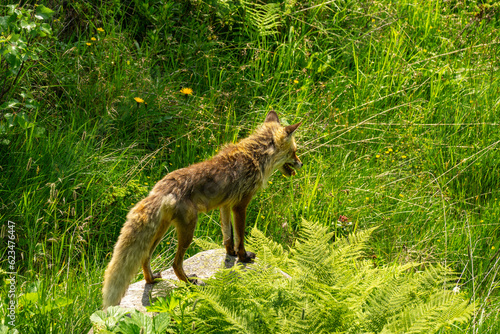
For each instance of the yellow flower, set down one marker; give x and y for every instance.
(88, 44)
(403, 156)
(377, 156)
(138, 100)
(187, 91)
(295, 81)
(100, 29)
(93, 39)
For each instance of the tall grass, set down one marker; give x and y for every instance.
(399, 104)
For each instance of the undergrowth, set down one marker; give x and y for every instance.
(318, 286)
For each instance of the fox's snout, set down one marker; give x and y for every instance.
(297, 164)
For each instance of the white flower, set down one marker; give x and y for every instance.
(456, 289)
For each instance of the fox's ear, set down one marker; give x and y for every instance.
(291, 128)
(272, 116)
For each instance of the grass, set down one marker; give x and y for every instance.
(399, 104)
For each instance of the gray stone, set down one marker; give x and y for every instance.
(204, 265)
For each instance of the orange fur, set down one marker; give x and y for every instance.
(227, 181)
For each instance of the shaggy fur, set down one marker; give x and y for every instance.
(227, 181)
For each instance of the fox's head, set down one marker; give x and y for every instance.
(284, 156)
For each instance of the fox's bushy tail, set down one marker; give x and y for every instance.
(131, 250)
(127, 257)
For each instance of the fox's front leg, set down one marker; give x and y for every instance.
(227, 229)
(239, 212)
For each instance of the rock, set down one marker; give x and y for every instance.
(204, 265)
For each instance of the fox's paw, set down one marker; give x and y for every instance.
(153, 278)
(248, 257)
(194, 280)
(231, 252)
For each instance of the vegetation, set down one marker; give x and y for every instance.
(399, 103)
(330, 291)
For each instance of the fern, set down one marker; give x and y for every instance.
(264, 19)
(331, 289)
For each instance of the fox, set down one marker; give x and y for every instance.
(227, 181)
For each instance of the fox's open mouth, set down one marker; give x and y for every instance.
(288, 170)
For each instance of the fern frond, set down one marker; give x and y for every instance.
(268, 250)
(331, 289)
(206, 244)
(442, 309)
(264, 19)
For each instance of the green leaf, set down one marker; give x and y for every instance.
(10, 119)
(137, 323)
(38, 131)
(22, 120)
(161, 322)
(43, 13)
(9, 104)
(4, 23)
(45, 30)
(28, 25)
(108, 319)
(6, 330)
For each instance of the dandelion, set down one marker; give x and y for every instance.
(295, 81)
(270, 182)
(93, 39)
(88, 44)
(403, 156)
(100, 29)
(377, 156)
(138, 100)
(492, 247)
(187, 91)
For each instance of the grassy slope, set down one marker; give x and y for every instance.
(399, 103)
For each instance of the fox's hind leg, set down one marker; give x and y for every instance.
(185, 226)
(227, 230)
(149, 277)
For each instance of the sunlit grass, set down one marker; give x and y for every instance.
(399, 104)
